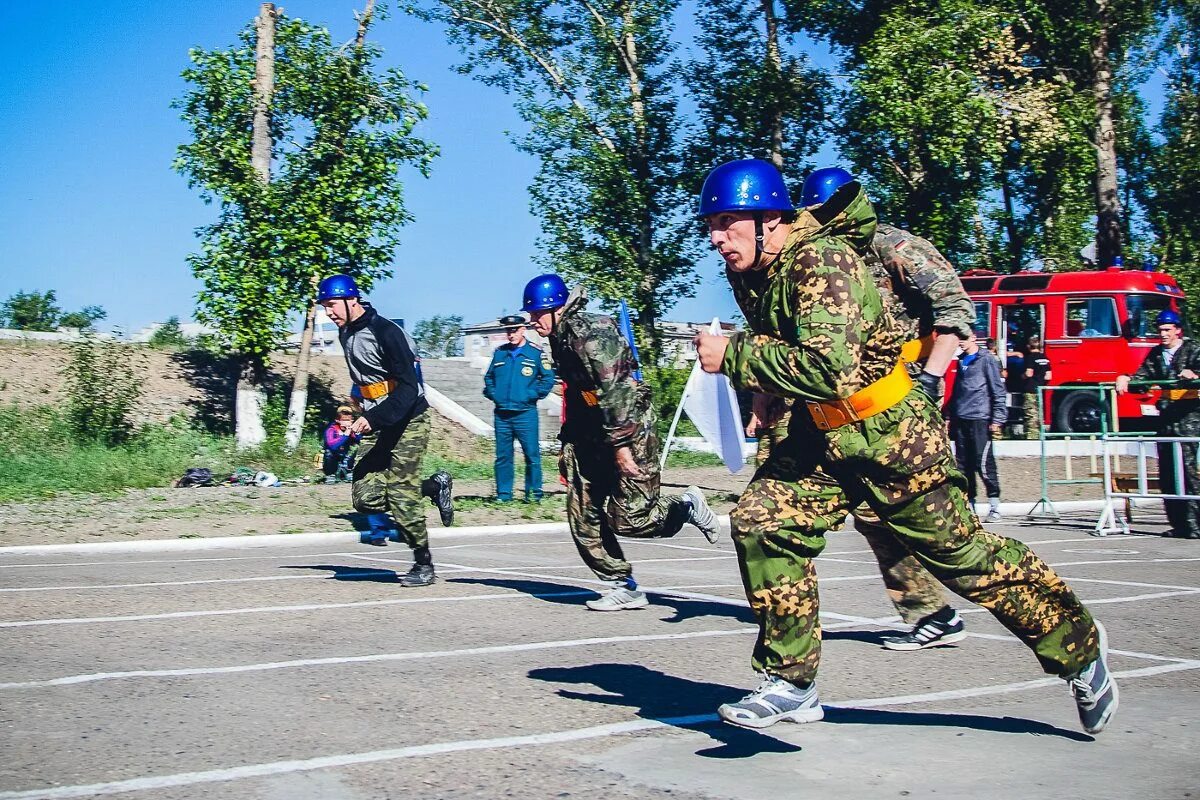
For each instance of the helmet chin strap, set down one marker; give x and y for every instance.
(759, 237)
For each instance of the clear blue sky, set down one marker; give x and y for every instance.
(91, 208)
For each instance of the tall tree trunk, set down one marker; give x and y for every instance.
(1016, 240)
(251, 399)
(1108, 201)
(298, 404)
(775, 62)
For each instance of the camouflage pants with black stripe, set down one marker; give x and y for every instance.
(387, 477)
(899, 463)
(602, 504)
(912, 589)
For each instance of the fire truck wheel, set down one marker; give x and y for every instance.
(1079, 412)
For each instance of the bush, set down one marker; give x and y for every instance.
(103, 381)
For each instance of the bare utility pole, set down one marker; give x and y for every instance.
(251, 399)
(298, 404)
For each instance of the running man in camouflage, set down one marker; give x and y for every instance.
(921, 289)
(610, 447)
(818, 334)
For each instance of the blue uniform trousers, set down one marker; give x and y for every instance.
(523, 425)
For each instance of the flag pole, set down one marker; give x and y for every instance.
(662, 463)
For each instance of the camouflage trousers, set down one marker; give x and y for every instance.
(898, 462)
(387, 477)
(603, 504)
(912, 589)
(1030, 416)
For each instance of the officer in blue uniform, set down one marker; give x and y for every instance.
(520, 374)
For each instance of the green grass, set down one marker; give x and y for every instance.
(39, 458)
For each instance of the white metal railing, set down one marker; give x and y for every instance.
(1110, 521)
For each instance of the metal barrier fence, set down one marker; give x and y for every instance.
(1140, 483)
(1106, 398)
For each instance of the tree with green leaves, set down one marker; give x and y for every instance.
(755, 98)
(327, 199)
(593, 79)
(439, 336)
(31, 311)
(169, 335)
(85, 319)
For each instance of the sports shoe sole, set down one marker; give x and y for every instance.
(949, 638)
(1116, 695)
(801, 716)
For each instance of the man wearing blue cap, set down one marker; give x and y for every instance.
(1175, 358)
(520, 374)
(394, 425)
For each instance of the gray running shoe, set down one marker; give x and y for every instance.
(775, 700)
(993, 516)
(419, 575)
(1095, 690)
(619, 598)
(701, 515)
(929, 632)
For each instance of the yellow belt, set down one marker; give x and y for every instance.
(916, 350)
(866, 402)
(1182, 394)
(374, 391)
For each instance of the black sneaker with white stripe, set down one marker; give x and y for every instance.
(933, 631)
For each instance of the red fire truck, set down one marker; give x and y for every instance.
(1094, 325)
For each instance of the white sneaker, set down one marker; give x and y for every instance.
(775, 700)
(993, 516)
(619, 599)
(701, 515)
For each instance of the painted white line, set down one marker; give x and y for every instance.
(1094, 552)
(275, 557)
(363, 572)
(1124, 561)
(72, 680)
(1129, 583)
(557, 737)
(1103, 601)
(277, 609)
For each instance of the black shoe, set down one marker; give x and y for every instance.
(929, 632)
(419, 575)
(440, 490)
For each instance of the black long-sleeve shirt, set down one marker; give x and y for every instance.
(377, 349)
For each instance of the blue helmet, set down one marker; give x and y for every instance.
(545, 292)
(1169, 317)
(337, 287)
(749, 184)
(820, 185)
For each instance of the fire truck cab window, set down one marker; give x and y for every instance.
(1143, 312)
(1019, 324)
(1092, 316)
(983, 321)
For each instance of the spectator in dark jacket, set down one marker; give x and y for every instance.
(977, 410)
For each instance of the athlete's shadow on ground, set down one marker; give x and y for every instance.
(659, 696)
(343, 573)
(684, 608)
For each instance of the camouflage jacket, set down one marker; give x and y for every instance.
(919, 285)
(605, 405)
(817, 326)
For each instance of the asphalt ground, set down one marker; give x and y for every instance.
(307, 672)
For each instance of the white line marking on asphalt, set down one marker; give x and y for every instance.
(195, 583)
(375, 658)
(1124, 561)
(274, 609)
(275, 557)
(1129, 583)
(1090, 552)
(557, 737)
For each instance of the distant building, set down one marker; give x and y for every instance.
(190, 330)
(482, 338)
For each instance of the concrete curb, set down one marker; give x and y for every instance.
(1012, 511)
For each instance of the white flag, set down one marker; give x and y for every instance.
(712, 406)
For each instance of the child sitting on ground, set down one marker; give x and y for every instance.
(340, 446)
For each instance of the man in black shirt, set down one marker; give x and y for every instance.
(1036, 374)
(394, 424)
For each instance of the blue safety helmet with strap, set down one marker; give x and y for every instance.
(821, 184)
(337, 287)
(747, 185)
(544, 293)
(1169, 317)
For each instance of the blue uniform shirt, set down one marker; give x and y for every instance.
(518, 377)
